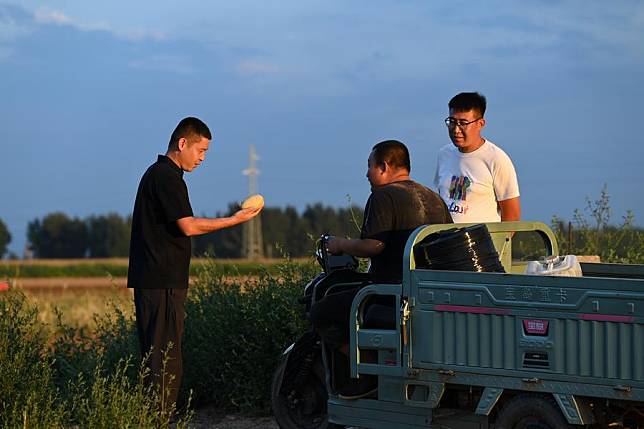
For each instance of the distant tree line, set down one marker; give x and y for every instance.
(285, 232)
(58, 236)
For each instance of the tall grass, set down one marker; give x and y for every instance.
(28, 396)
(72, 383)
(235, 333)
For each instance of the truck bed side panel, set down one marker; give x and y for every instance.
(476, 322)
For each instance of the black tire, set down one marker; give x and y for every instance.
(531, 411)
(304, 407)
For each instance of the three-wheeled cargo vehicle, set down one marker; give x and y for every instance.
(480, 349)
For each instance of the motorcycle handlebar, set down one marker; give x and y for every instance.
(330, 262)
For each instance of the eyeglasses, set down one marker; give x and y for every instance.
(461, 123)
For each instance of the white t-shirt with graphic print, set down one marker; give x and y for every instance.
(472, 183)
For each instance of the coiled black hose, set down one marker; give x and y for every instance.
(459, 249)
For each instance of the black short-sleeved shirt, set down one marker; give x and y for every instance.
(159, 251)
(392, 213)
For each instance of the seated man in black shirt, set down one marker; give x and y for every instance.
(397, 205)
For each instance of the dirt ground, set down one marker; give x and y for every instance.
(209, 418)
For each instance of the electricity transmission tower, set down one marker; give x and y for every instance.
(252, 247)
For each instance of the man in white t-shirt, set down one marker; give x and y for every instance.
(475, 177)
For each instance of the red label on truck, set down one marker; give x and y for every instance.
(535, 327)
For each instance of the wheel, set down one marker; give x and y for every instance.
(304, 406)
(531, 412)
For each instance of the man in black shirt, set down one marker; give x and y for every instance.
(160, 249)
(397, 205)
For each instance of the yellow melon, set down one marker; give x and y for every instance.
(253, 202)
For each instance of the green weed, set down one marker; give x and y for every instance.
(590, 233)
(29, 397)
(236, 331)
(80, 380)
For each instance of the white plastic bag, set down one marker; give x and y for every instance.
(555, 266)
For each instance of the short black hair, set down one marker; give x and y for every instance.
(187, 128)
(466, 101)
(392, 152)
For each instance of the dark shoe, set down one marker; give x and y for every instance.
(366, 385)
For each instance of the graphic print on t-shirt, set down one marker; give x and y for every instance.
(458, 187)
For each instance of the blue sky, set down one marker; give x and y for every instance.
(90, 92)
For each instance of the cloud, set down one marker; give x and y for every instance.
(12, 23)
(140, 34)
(45, 15)
(164, 63)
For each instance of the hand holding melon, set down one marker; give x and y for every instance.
(250, 208)
(253, 202)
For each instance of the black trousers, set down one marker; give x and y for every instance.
(330, 316)
(160, 318)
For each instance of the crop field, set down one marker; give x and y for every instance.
(117, 267)
(80, 302)
(80, 289)
(78, 306)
